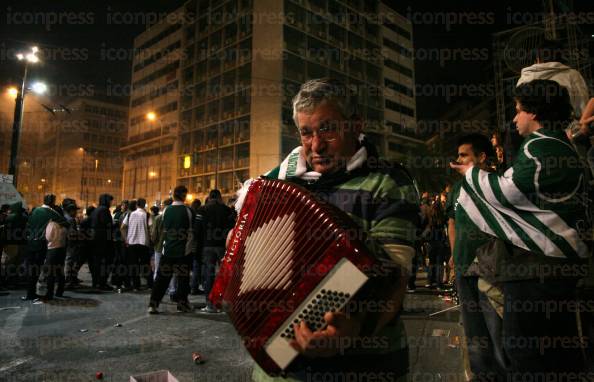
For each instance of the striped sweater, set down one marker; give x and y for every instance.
(538, 204)
(382, 199)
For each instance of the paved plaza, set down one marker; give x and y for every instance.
(72, 339)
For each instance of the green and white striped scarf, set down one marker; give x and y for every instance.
(295, 166)
(537, 204)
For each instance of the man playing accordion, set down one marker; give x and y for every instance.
(339, 165)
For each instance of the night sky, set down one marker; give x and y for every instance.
(87, 47)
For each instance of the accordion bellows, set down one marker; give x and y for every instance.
(291, 258)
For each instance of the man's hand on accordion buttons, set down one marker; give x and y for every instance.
(326, 342)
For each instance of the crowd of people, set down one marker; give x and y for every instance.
(127, 248)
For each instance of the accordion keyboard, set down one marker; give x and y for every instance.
(331, 295)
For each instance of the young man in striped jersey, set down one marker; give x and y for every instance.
(338, 164)
(481, 323)
(537, 208)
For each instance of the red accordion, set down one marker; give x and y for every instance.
(291, 258)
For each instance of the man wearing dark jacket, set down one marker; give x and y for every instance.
(217, 220)
(177, 240)
(102, 253)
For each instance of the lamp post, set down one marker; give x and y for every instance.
(30, 57)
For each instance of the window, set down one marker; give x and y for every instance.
(398, 48)
(243, 101)
(397, 67)
(230, 33)
(374, 74)
(197, 163)
(202, 46)
(356, 67)
(401, 31)
(245, 25)
(198, 140)
(295, 14)
(214, 65)
(212, 111)
(399, 108)
(184, 144)
(226, 161)
(337, 35)
(214, 87)
(226, 183)
(215, 41)
(242, 155)
(396, 87)
(294, 68)
(317, 25)
(230, 58)
(242, 129)
(244, 75)
(211, 161)
(228, 106)
(201, 71)
(198, 184)
(245, 51)
(226, 133)
(200, 92)
(211, 137)
(228, 84)
(295, 41)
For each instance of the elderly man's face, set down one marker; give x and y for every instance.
(328, 139)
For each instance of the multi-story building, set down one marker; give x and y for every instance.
(149, 160)
(400, 138)
(79, 153)
(236, 66)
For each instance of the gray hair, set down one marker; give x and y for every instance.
(324, 91)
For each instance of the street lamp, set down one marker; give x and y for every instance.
(30, 57)
(12, 92)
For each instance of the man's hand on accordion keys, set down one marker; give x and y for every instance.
(326, 342)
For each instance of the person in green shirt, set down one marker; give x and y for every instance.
(481, 322)
(177, 239)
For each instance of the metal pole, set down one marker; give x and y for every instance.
(82, 171)
(160, 158)
(95, 180)
(16, 129)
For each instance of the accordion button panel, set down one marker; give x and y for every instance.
(331, 295)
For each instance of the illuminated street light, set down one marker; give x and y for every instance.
(39, 87)
(12, 92)
(151, 116)
(27, 58)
